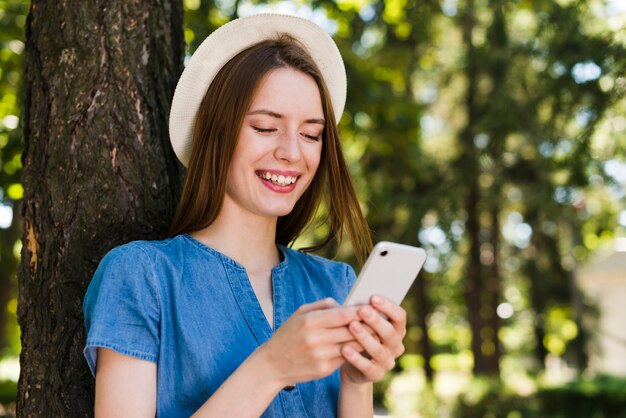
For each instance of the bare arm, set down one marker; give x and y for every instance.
(125, 386)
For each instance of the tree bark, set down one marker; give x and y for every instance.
(98, 171)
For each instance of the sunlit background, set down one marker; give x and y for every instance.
(493, 134)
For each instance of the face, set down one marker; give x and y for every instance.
(279, 146)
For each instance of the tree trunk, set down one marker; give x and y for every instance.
(98, 171)
(423, 309)
(480, 298)
(491, 339)
(538, 289)
(473, 270)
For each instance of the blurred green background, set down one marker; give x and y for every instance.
(493, 134)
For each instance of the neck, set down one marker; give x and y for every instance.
(247, 239)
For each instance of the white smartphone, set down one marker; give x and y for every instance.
(389, 271)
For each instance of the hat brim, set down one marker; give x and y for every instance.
(229, 40)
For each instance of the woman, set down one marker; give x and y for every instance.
(222, 318)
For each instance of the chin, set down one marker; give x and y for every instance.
(280, 213)
(277, 212)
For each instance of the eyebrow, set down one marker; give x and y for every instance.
(279, 116)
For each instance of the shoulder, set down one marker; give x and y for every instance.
(137, 262)
(145, 251)
(134, 250)
(148, 247)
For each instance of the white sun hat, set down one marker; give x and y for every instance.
(229, 40)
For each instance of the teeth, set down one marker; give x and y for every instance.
(278, 179)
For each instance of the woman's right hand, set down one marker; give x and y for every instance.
(308, 345)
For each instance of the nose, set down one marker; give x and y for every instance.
(288, 148)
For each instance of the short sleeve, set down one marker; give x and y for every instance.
(121, 306)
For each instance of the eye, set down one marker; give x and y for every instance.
(312, 137)
(263, 130)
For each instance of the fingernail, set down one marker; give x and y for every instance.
(356, 327)
(376, 300)
(366, 312)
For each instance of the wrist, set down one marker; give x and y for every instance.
(355, 398)
(347, 381)
(268, 368)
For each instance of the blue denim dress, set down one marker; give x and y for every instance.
(193, 312)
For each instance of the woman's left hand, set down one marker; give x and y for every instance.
(382, 342)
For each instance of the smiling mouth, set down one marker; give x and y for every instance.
(279, 180)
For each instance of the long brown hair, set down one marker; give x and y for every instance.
(215, 134)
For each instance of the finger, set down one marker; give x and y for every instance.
(355, 346)
(377, 351)
(338, 335)
(369, 330)
(325, 303)
(393, 311)
(332, 317)
(326, 359)
(380, 327)
(328, 352)
(328, 337)
(370, 369)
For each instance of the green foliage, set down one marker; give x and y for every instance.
(8, 391)
(603, 397)
(12, 39)
(12, 23)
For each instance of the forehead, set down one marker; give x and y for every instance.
(287, 90)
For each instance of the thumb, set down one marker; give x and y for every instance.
(326, 303)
